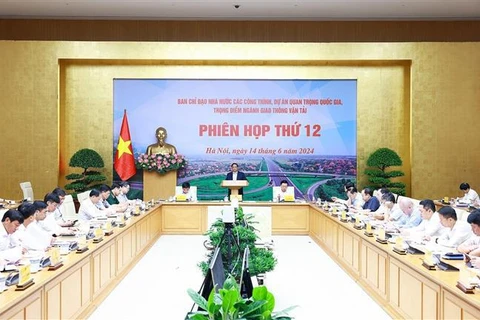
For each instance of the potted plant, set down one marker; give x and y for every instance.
(381, 160)
(261, 260)
(229, 304)
(88, 179)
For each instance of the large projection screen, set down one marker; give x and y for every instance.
(302, 131)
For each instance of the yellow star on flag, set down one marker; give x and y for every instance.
(123, 147)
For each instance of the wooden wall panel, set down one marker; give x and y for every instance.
(240, 31)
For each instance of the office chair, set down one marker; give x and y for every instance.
(83, 195)
(68, 208)
(27, 190)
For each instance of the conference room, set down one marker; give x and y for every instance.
(236, 85)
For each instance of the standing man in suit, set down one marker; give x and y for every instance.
(235, 175)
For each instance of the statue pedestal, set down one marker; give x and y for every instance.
(159, 186)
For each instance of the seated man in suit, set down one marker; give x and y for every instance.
(88, 208)
(58, 213)
(470, 196)
(408, 216)
(103, 204)
(118, 193)
(347, 186)
(388, 206)
(471, 246)
(371, 202)
(10, 249)
(49, 224)
(122, 196)
(379, 195)
(36, 238)
(354, 201)
(457, 231)
(279, 195)
(235, 175)
(114, 192)
(124, 188)
(430, 225)
(188, 192)
(27, 210)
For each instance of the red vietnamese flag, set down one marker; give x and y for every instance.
(124, 162)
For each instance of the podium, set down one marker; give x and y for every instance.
(234, 186)
(159, 186)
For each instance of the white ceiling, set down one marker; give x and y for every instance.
(247, 10)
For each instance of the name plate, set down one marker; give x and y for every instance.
(289, 198)
(381, 234)
(55, 255)
(398, 247)
(107, 226)
(357, 219)
(428, 259)
(399, 242)
(24, 274)
(368, 228)
(82, 240)
(181, 197)
(98, 233)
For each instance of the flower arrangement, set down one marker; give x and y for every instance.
(161, 163)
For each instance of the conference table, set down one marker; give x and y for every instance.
(74, 290)
(399, 283)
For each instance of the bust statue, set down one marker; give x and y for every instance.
(161, 147)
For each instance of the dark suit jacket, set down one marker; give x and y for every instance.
(240, 176)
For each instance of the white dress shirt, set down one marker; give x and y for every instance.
(58, 213)
(10, 249)
(35, 237)
(88, 211)
(470, 197)
(234, 175)
(395, 213)
(357, 202)
(18, 235)
(473, 241)
(190, 196)
(280, 195)
(460, 232)
(103, 204)
(122, 198)
(50, 225)
(431, 227)
(409, 221)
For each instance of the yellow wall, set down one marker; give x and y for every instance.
(420, 99)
